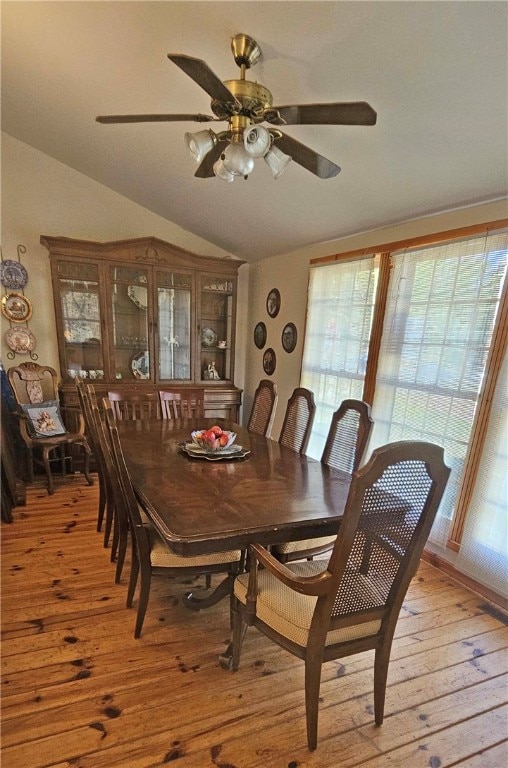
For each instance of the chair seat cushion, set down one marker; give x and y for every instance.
(162, 556)
(290, 613)
(299, 546)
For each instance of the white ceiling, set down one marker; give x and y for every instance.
(435, 72)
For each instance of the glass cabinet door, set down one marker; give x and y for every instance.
(130, 306)
(81, 333)
(174, 324)
(216, 328)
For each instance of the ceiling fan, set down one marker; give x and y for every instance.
(245, 104)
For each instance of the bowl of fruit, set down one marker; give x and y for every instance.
(214, 439)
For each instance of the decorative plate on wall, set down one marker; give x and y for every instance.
(273, 302)
(13, 275)
(260, 335)
(269, 361)
(20, 340)
(289, 337)
(16, 307)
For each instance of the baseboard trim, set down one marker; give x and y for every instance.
(466, 581)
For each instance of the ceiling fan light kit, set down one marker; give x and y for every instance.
(199, 144)
(245, 104)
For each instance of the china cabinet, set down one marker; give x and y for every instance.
(145, 314)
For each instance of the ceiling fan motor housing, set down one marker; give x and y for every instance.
(253, 97)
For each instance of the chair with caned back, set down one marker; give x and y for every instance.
(42, 420)
(131, 406)
(319, 610)
(151, 556)
(184, 404)
(345, 446)
(263, 408)
(297, 424)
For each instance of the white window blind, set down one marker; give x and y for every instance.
(483, 551)
(339, 317)
(438, 326)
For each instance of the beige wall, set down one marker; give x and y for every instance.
(43, 196)
(289, 273)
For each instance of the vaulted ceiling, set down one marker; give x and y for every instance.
(435, 72)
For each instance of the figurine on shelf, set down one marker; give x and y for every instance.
(210, 373)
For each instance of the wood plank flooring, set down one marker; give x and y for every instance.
(79, 692)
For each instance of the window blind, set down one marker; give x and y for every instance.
(339, 317)
(438, 325)
(483, 551)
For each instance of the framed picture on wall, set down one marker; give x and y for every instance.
(273, 302)
(289, 337)
(260, 335)
(269, 361)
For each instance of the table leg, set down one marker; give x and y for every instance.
(221, 591)
(226, 658)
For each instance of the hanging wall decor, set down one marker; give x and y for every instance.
(16, 307)
(289, 337)
(269, 361)
(260, 335)
(13, 275)
(21, 340)
(273, 302)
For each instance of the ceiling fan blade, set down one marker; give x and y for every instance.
(346, 113)
(205, 170)
(307, 158)
(201, 73)
(155, 118)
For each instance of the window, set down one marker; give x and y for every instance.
(421, 350)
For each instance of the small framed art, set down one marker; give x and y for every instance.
(273, 302)
(260, 335)
(269, 361)
(289, 337)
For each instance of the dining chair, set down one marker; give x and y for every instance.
(320, 610)
(297, 424)
(84, 404)
(184, 404)
(43, 421)
(103, 454)
(151, 556)
(134, 405)
(345, 446)
(263, 408)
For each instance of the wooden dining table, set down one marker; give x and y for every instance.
(201, 505)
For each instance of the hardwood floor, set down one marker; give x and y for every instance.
(79, 692)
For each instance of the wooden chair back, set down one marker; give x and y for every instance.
(32, 383)
(297, 424)
(348, 435)
(131, 406)
(184, 404)
(263, 408)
